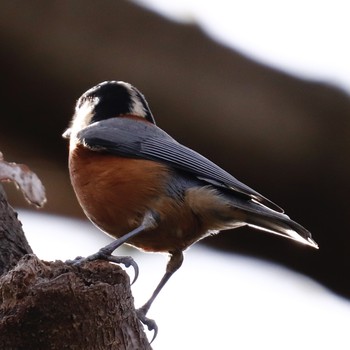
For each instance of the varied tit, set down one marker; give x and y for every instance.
(140, 186)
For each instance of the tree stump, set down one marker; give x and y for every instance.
(54, 305)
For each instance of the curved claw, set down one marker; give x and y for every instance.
(127, 261)
(77, 261)
(149, 323)
(105, 253)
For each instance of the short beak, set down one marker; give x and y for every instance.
(67, 133)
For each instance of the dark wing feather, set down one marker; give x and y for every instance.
(135, 139)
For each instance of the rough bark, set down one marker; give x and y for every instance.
(53, 305)
(13, 244)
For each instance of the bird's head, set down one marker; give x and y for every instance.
(107, 100)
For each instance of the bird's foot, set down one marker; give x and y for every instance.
(149, 323)
(102, 254)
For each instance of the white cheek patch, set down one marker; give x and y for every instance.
(84, 114)
(82, 117)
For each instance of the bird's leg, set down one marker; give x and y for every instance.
(105, 253)
(174, 263)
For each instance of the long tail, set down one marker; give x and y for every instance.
(263, 218)
(282, 225)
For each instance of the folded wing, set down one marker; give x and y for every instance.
(135, 139)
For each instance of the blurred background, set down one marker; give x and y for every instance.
(262, 89)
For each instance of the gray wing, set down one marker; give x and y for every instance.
(130, 138)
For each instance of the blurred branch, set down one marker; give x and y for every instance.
(27, 181)
(13, 244)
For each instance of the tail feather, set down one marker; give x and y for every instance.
(243, 212)
(281, 225)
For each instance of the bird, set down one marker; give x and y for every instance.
(139, 185)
